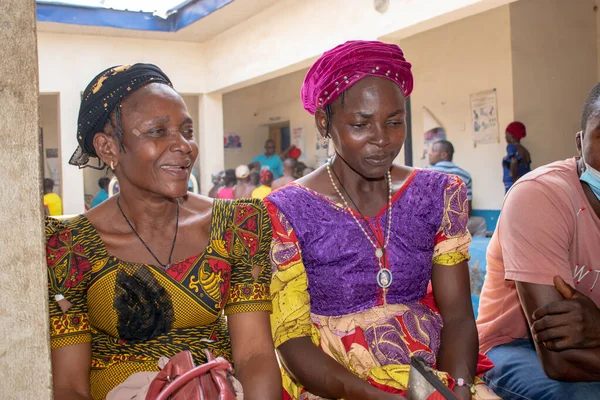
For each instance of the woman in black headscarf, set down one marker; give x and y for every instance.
(148, 272)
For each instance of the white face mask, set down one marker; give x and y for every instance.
(591, 176)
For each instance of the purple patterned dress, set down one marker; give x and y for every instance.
(324, 283)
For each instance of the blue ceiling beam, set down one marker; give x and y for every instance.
(184, 15)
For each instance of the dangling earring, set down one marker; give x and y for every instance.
(112, 166)
(324, 142)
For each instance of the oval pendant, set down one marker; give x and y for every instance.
(378, 253)
(384, 278)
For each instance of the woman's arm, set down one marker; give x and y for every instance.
(321, 375)
(459, 343)
(254, 355)
(71, 372)
(514, 169)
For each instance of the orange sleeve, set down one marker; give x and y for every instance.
(534, 231)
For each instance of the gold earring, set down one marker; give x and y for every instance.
(112, 166)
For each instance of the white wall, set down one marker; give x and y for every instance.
(450, 63)
(555, 65)
(249, 111)
(288, 36)
(71, 61)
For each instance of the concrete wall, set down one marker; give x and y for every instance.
(555, 64)
(24, 347)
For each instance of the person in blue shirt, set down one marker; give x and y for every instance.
(517, 161)
(440, 159)
(103, 193)
(269, 160)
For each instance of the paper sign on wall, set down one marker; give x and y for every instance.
(232, 142)
(484, 112)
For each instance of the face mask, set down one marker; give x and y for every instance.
(591, 176)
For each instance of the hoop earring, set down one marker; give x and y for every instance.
(325, 142)
(112, 166)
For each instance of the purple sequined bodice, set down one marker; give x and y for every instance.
(339, 260)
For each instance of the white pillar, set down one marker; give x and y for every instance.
(212, 155)
(24, 325)
(71, 177)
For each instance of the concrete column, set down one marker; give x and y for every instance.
(24, 345)
(71, 179)
(212, 155)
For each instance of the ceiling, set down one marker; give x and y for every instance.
(200, 31)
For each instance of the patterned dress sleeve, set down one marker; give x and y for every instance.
(69, 272)
(452, 240)
(289, 287)
(248, 239)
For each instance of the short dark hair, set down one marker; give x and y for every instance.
(329, 112)
(230, 177)
(103, 183)
(589, 109)
(447, 147)
(254, 178)
(48, 185)
(290, 163)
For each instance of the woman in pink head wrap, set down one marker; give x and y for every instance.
(357, 242)
(517, 161)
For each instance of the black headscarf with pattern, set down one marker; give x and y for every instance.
(103, 95)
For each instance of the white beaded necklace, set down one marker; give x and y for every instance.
(384, 275)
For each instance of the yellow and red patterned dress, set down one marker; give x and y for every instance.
(135, 313)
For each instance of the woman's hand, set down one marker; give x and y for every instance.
(254, 356)
(463, 392)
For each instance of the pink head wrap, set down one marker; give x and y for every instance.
(517, 130)
(341, 67)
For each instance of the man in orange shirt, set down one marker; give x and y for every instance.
(539, 316)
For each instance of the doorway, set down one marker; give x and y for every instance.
(280, 134)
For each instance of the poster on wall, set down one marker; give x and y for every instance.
(484, 111)
(433, 132)
(232, 142)
(299, 140)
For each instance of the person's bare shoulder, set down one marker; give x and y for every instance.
(318, 180)
(400, 174)
(197, 203)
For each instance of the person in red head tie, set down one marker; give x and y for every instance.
(517, 161)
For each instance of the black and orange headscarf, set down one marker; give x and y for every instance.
(103, 95)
